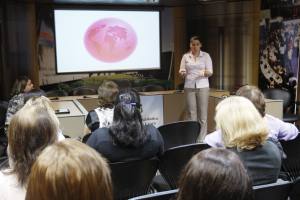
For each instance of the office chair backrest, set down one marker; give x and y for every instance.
(289, 104)
(132, 178)
(279, 94)
(274, 191)
(295, 191)
(174, 159)
(179, 133)
(165, 195)
(291, 164)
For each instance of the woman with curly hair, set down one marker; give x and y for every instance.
(127, 138)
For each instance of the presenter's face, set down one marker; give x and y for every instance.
(195, 46)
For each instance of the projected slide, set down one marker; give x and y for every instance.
(92, 41)
(110, 40)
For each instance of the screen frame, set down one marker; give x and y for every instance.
(105, 8)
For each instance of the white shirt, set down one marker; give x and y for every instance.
(194, 68)
(105, 116)
(278, 130)
(10, 189)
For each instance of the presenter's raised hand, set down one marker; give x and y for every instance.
(207, 73)
(182, 73)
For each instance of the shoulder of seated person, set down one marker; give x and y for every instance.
(101, 130)
(267, 116)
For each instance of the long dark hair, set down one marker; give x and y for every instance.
(215, 174)
(19, 85)
(127, 128)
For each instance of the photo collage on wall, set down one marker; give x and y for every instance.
(279, 54)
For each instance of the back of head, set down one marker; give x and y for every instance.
(127, 128)
(19, 85)
(255, 96)
(128, 95)
(34, 93)
(215, 174)
(107, 93)
(39, 101)
(43, 102)
(241, 124)
(31, 129)
(69, 170)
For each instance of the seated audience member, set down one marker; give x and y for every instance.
(245, 132)
(21, 86)
(215, 174)
(103, 115)
(45, 103)
(127, 138)
(30, 130)
(69, 170)
(277, 129)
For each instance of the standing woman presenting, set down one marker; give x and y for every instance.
(196, 67)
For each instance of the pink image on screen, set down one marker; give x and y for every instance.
(110, 40)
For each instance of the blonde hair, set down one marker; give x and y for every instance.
(241, 124)
(31, 129)
(69, 170)
(44, 103)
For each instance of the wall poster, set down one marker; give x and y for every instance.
(279, 54)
